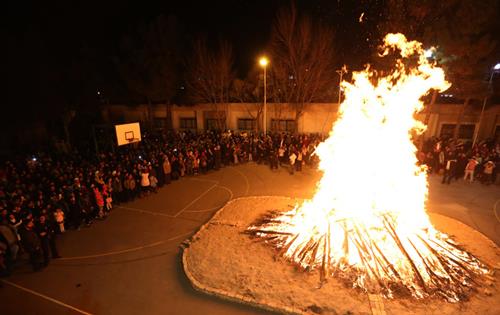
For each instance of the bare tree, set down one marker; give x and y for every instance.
(302, 61)
(209, 77)
(148, 62)
(461, 30)
(465, 36)
(245, 91)
(414, 18)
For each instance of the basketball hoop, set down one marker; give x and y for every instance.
(128, 133)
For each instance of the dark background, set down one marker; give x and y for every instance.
(46, 40)
(49, 36)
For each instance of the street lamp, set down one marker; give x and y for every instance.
(341, 74)
(263, 63)
(492, 72)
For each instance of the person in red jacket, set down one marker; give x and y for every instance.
(469, 169)
(99, 200)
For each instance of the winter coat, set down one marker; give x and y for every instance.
(167, 168)
(117, 185)
(99, 200)
(145, 180)
(45, 228)
(30, 240)
(130, 184)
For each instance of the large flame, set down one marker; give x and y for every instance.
(367, 220)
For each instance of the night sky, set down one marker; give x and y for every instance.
(64, 27)
(45, 36)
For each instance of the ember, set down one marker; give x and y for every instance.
(367, 223)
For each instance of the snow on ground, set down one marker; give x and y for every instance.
(221, 260)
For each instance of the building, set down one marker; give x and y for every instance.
(316, 118)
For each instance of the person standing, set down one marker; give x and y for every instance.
(281, 155)
(305, 155)
(31, 243)
(292, 159)
(158, 173)
(469, 169)
(449, 170)
(87, 206)
(217, 157)
(59, 218)
(273, 158)
(99, 200)
(175, 168)
(130, 187)
(117, 187)
(299, 161)
(47, 239)
(75, 212)
(488, 172)
(145, 183)
(196, 164)
(107, 194)
(167, 170)
(203, 163)
(441, 161)
(153, 182)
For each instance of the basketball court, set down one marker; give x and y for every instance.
(129, 263)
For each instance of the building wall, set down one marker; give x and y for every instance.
(316, 117)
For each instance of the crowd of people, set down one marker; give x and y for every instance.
(455, 160)
(45, 195)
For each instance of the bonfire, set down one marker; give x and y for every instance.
(367, 223)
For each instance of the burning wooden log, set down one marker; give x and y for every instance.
(444, 270)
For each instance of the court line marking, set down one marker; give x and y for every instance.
(112, 253)
(195, 200)
(205, 180)
(495, 210)
(203, 210)
(231, 195)
(147, 211)
(43, 296)
(244, 177)
(155, 213)
(123, 251)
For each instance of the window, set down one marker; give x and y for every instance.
(447, 130)
(283, 125)
(188, 123)
(246, 124)
(214, 124)
(464, 132)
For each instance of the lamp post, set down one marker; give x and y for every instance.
(485, 100)
(341, 74)
(263, 63)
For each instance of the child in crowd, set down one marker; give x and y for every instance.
(153, 181)
(59, 217)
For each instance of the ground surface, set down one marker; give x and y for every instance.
(130, 263)
(221, 261)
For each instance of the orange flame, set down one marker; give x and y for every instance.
(368, 213)
(369, 162)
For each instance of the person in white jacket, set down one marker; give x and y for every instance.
(145, 183)
(292, 157)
